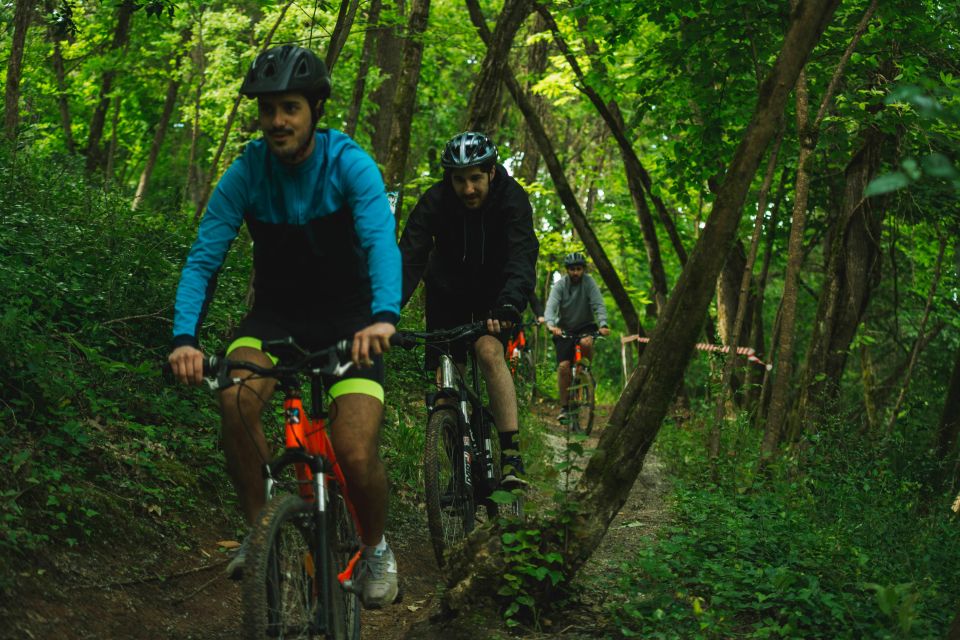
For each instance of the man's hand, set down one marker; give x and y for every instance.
(371, 341)
(557, 331)
(541, 319)
(604, 331)
(187, 364)
(496, 326)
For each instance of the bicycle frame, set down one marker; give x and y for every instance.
(309, 449)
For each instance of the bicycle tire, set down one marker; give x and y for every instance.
(527, 371)
(343, 543)
(451, 508)
(581, 403)
(279, 592)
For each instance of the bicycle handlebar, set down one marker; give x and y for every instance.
(334, 360)
(411, 339)
(584, 334)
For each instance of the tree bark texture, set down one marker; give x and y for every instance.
(636, 418)
(389, 57)
(121, 35)
(783, 373)
(483, 111)
(366, 55)
(536, 65)
(405, 101)
(780, 416)
(22, 16)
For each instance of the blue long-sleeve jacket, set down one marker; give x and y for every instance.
(323, 236)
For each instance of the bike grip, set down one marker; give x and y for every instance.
(402, 340)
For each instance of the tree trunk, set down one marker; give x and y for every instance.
(405, 101)
(359, 87)
(194, 190)
(536, 65)
(852, 272)
(483, 113)
(948, 432)
(345, 17)
(56, 58)
(780, 401)
(94, 153)
(564, 191)
(726, 398)
(214, 166)
(611, 114)
(636, 418)
(22, 16)
(173, 88)
(390, 47)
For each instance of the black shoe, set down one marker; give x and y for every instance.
(512, 470)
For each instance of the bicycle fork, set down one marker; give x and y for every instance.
(448, 377)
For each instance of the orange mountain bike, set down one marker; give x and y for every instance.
(305, 542)
(581, 394)
(523, 365)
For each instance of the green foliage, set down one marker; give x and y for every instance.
(839, 541)
(90, 433)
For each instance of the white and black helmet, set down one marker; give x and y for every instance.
(287, 68)
(575, 259)
(468, 149)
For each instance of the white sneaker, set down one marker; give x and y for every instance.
(375, 578)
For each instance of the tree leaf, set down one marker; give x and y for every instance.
(886, 183)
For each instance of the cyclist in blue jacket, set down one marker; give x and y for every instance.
(326, 267)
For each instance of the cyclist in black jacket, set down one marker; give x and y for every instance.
(470, 238)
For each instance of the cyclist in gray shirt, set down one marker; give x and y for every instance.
(575, 306)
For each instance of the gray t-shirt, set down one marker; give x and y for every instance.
(570, 306)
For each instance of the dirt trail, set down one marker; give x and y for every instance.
(177, 588)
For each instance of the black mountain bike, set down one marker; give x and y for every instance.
(304, 544)
(461, 458)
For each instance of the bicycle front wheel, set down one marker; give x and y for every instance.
(280, 584)
(451, 510)
(582, 401)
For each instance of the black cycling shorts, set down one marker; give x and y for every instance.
(446, 312)
(566, 347)
(261, 325)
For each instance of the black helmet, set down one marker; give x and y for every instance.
(287, 68)
(468, 149)
(574, 259)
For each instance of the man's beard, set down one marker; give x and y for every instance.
(293, 147)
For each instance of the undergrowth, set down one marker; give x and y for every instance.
(839, 540)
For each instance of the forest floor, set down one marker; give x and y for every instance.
(178, 589)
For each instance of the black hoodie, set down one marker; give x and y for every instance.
(486, 256)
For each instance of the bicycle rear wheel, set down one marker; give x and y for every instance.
(343, 543)
(280, 588)
(526, 376)
(451, 510)
(581, 405)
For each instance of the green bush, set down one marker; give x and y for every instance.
(838, 542)
(89, 430)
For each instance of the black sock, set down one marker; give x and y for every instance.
(508, 440)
